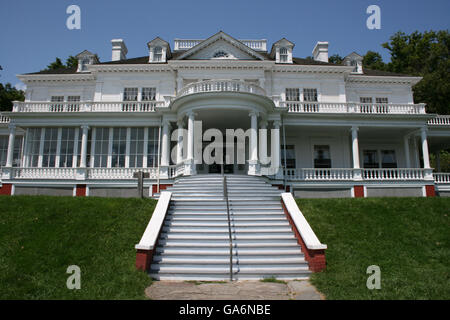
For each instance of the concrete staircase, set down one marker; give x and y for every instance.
(194, 241)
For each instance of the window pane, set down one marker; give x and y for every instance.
(292, 94)
(148, 94)
(130, 94)
(101, 147)
(322, 156)
(388, 159)
(290, 156)
(370, 159)
(381, 100)
(365, 99)
(309, 94)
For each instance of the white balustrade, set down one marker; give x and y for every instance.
(316, 174)
(176, 170)
(393, 174)
(221, 86)
(440, 121)
(97, 106)
(4, 119)
(441, 177)
(120, 173)
(44, 173)
(186, 44)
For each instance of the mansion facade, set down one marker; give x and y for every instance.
(333, 130)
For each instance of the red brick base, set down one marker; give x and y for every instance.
(161, 187)
(358, 191)
(281, 187)
(143, 259)
(430, 191)
(81, 190)
(6, 189)
(316, 258)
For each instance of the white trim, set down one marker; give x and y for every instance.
(127, 148)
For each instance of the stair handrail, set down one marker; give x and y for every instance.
(225, 195)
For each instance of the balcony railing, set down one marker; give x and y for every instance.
(351, 107)
(440, 121)
(4, 119)
(185, 44)
(221, 86)
(100, 106)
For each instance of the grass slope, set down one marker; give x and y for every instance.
(408, 238)
(41, 236)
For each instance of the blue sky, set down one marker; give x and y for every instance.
(33, 33)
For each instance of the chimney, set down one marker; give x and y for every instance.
(320, 51)
(119, 50)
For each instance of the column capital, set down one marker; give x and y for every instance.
(180, 123)
(276, 124)
(190, 114)
(85, 127)
(166, 122)
(253, 113)
(11, 127)
(354, 128)
(263, 124)
(423, 130)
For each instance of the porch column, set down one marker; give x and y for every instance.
(10, 153)
(275, 147)
(407, 153)
(438, 161)
(84, 142)
(426, 157)
(263, 142)
(165, 145)
(355, 153)
(180, 142)
(189, 168)
(253, 162)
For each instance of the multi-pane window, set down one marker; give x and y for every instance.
(101, 147)
(50, 146)
(130, 94)
(322, 156)
(17, 152)
(290, 156)
(136, 147)
(370, 159)
(57, 99)
(33, 145)
(119, 147)
(67, 147)
(157, 54)
(73, 98)
(283, 55)
(381, 100)
(292, 94)
(152, 147)
(148, 94)
(388, 159)
(309, 94)
(365, 99)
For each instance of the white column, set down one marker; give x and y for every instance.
(10, 153)
(275, 145)
(180, 142)
(75, 148)
(263, 142)
(416, 152)
(41, 148)
(165, 145)
(407, 153)
(355, 147)
(190, 144)
(253, 136)
(84, 143)
(144, 157)
(425, 154)
(127, 148)
(58, 148)
(93, 138)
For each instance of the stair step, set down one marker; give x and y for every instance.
(211, 259)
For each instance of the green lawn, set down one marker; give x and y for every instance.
(41, 236)
(408, 238)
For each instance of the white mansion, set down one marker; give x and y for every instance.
(344, 130)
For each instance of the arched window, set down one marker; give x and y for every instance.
(283, 54)
(157, 54)
(220, 54)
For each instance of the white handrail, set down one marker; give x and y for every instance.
(151, 233)
(221, 86)
(440, 120)
(309, 237)
(441, 177)
(88, 106)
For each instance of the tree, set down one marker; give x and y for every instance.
(373, 60)
(336, 59)
(8, 94)
(426, 55)
(71, 62)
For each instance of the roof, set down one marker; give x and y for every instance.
(378, 73)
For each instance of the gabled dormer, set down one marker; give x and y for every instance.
(86, 58)
(159, 51)
(282, 51)
(354, 60)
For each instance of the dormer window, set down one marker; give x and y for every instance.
(220, 54)
(354, 64)
(84, 63)
(157, 54)
(85, 58)
(354, 60)
(283, 55)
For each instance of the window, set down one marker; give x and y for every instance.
(119, 147)
(382, 100)
(283, 55)
(148, 94)
(365, 99)
(136, 147)
(67, 147)
(370, 159)
(354, 64)
(73, 98)
(157, 54)
(4, 142)
(309, 94)
(220, 54)
(322, 156)
(50, 145)
(130, 94)
(388, 159)
(292, 94)
(33, 145)
(152, 147)
(57, 98)
(290, 156)
(101, 147)
(84, 62)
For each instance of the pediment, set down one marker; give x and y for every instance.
(220, 47)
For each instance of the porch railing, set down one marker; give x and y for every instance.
(351, 107)
(394, 174)
(329, 174)
(88, 106)
(4, 119)
(441, 177)
(440, 121)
